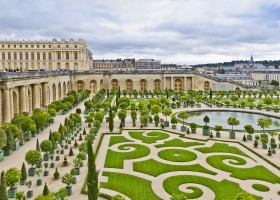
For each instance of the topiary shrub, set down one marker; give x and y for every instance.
(46, 190)
(3, 139)
(71, 152)
(46, 146)
(65, 162)
(56, 174)
(78, 110)
(12, 177)
(23, 172)
(33, 157)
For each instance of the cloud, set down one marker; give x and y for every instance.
(178, 31)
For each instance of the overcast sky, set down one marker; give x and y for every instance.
(175, 31)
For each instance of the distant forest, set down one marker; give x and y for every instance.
(232, 63)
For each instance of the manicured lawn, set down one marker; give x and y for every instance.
(178, 143)
(152, 136)
(118, 139)
(116, 159)
(134, 187)
(138, 188)
(258, 172)
(221, 147)
(261, 187)
(177, 155)
(155, 168)
(223, 190)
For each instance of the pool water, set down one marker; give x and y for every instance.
(220, 118)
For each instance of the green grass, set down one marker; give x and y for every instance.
(133, 187)
(223, 190)
(137, 101)
(116, 159)
(118, 139)
(177, 155)
(257, 172)
(155, 168)
(261, 187)
(153, 136)
(221, 147)
(177, 143)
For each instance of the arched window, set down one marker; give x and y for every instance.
(115, 84)
(80, 85)
(157, 84)
(129, 85)
(92, 87)
(38, 56)
(15, 56)
(143, 85)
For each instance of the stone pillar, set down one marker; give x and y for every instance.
(185, 83)
(6, 106)
(172, 83)
(22, 99)
(45, 97)
(35, 96)
(11, 104)
(164, 83)
(192, 83)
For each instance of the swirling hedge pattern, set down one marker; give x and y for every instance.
(155, 164)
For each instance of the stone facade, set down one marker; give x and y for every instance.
(45, 55)
(41, 72)
(25, 91)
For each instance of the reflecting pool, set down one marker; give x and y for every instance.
(220, 118)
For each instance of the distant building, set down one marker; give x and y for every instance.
(147, 64)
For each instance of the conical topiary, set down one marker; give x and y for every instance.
(46, 190)
(3, 190)
(23, 172)
(71, 152)
(38, 146)
(84, 132)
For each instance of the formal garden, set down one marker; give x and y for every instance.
(147, 140)
(150, 164)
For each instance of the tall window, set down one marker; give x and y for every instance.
(80, 85)
(129, 85)
(178, 85)
(67, 55)
(58, 55)
(38, 56)
(92, 87)
(15, 56)
(143, 85)
(157, 84)
(115, 84)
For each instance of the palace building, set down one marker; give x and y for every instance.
(35, 73)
